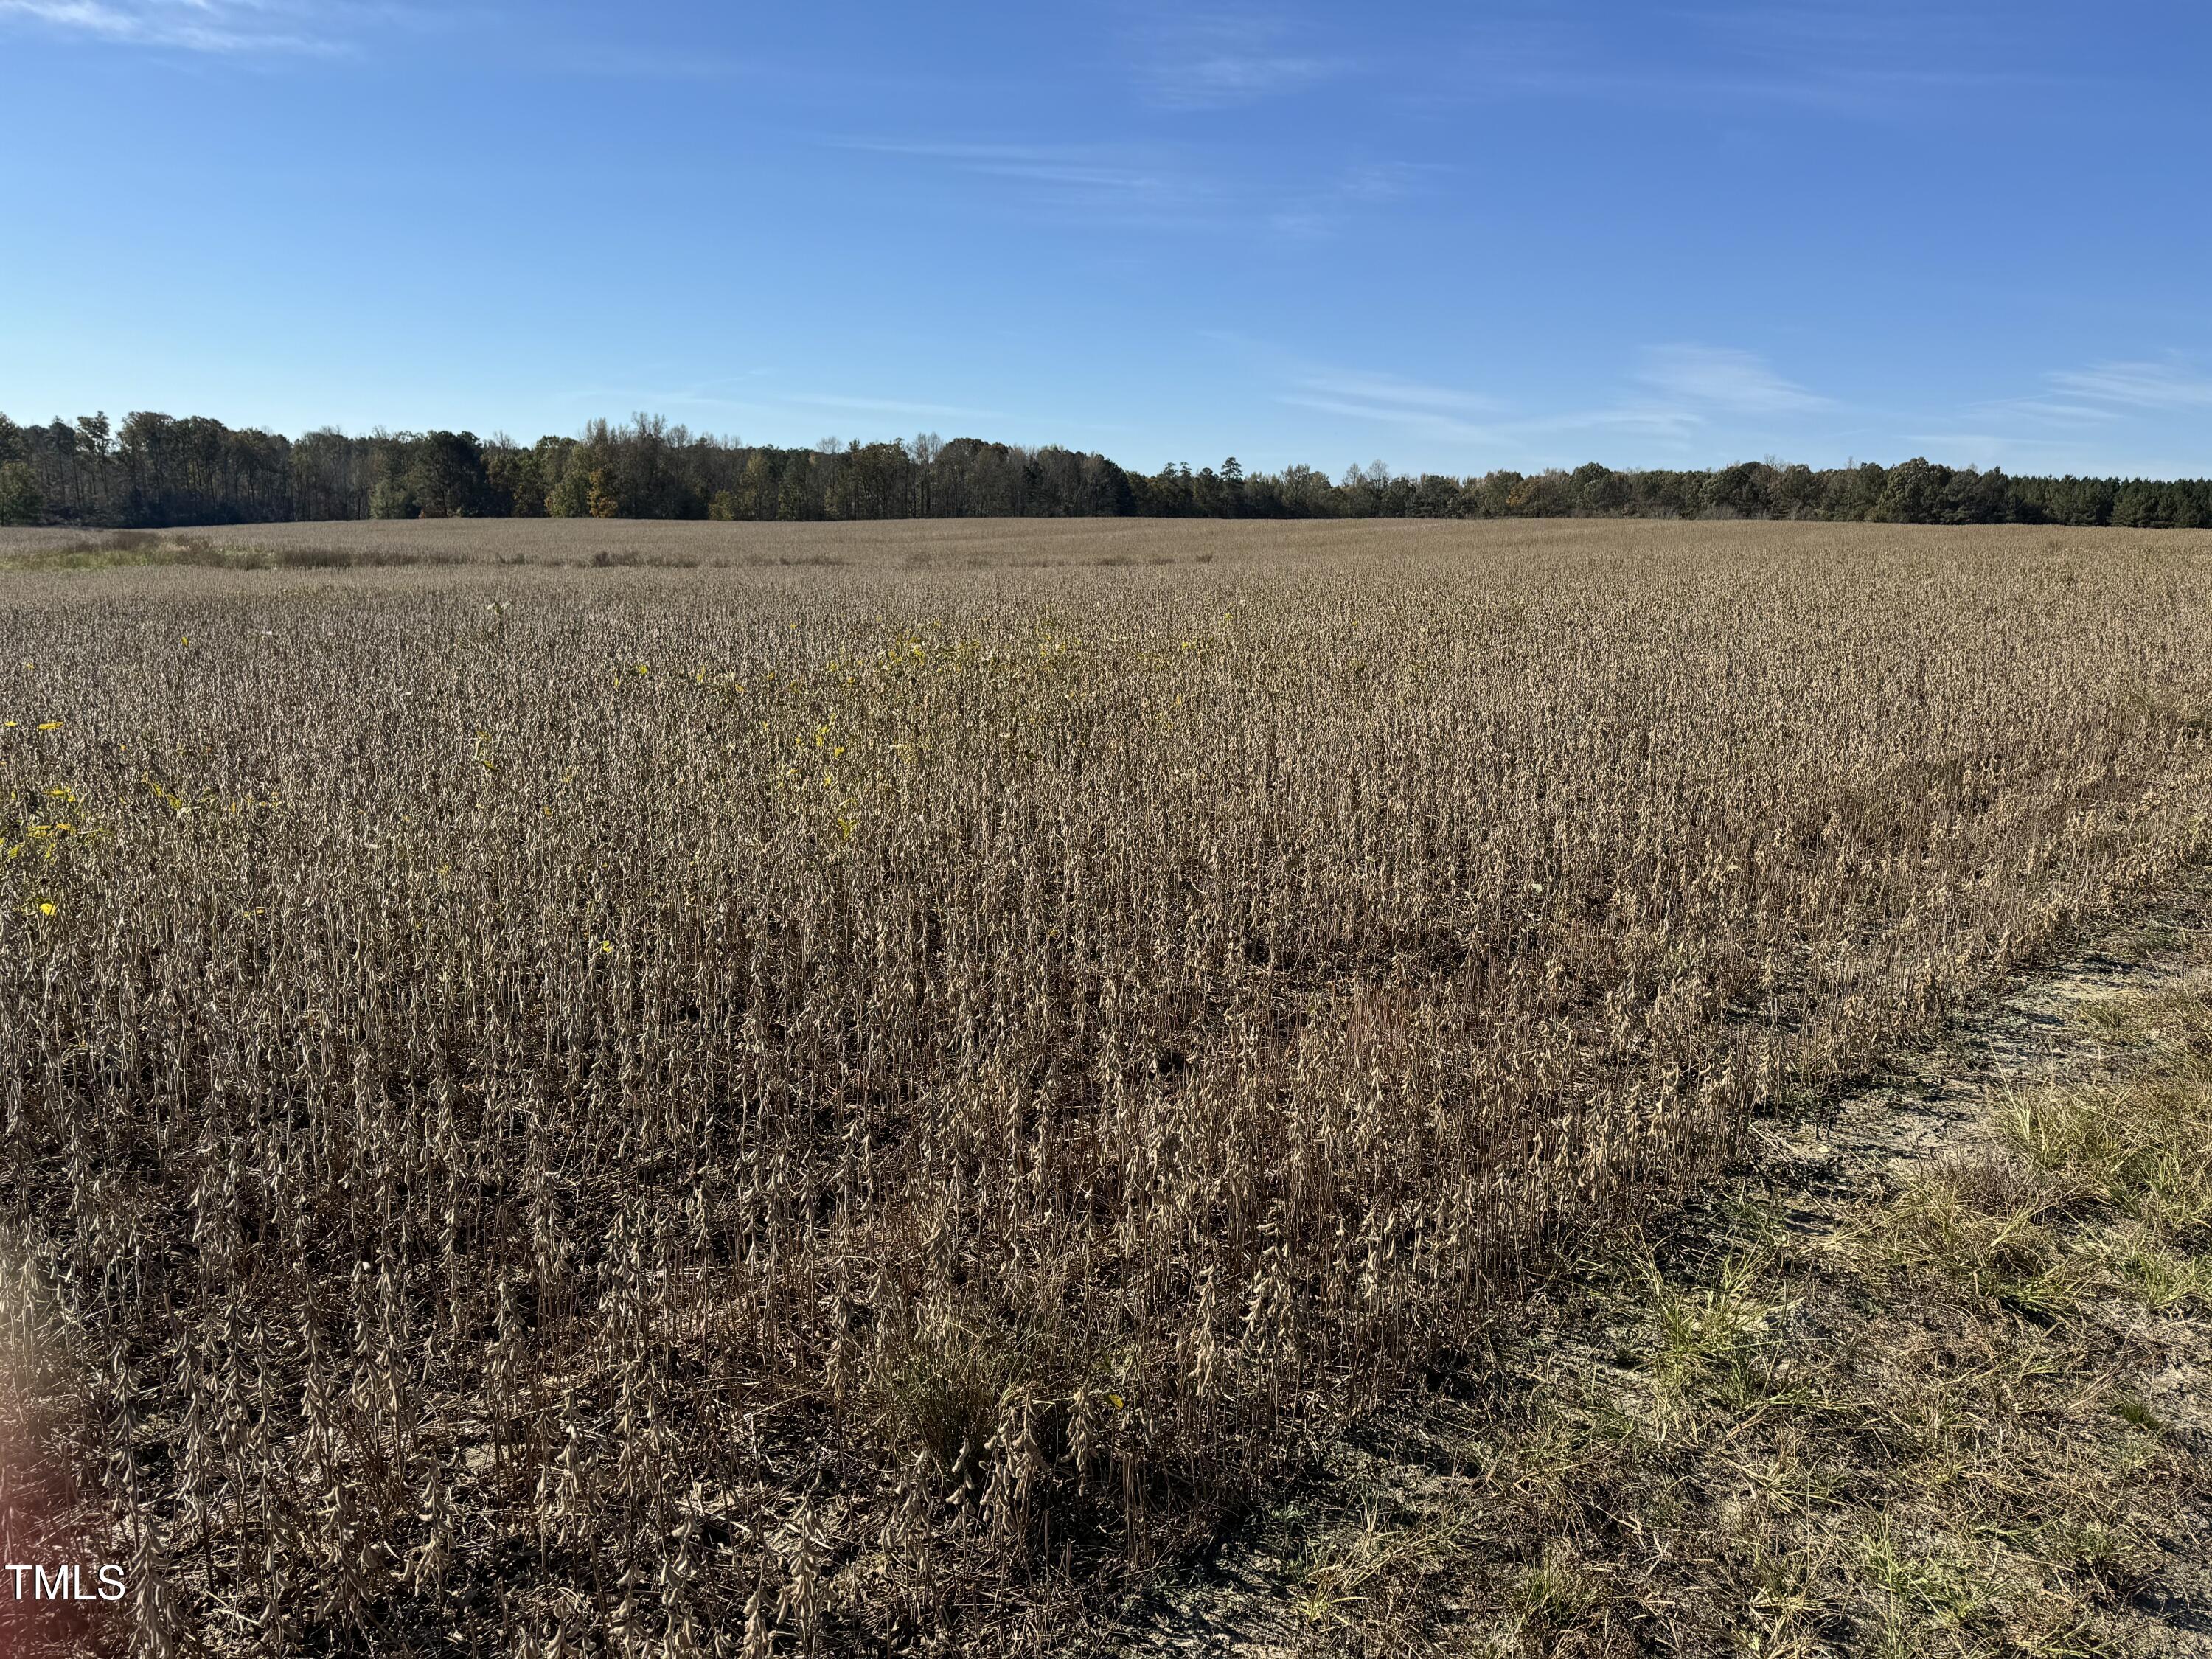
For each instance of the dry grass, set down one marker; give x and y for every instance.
(1969, 1421)
(852, 1106)
(116, 549)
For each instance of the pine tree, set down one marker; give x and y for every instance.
(20, 499)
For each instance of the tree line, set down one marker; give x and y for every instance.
(155, 471)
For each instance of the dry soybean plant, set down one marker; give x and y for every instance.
(849, 1105)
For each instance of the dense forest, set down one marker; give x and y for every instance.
(155, 471)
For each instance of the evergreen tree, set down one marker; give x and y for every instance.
(391, 499)
(516, 481)
(570, 496)
(445, 476)
(1912, 492)
(20, 500)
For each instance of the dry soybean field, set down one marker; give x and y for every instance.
(602, 1088)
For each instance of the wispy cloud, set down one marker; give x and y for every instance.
(2105, 394)
(1163, 186)
(1965, 444)
(1721, 378)
(642, 60)
(2059, 412)
(1449, 415)
(1810, 56)
(1506, 430)
(1115, 182)
(1392, 395)
(2137, 386)
(1222, 60)
(1984, 449)
(204, 26)
(1679, 397)
(1355, 191)
(1847, 60)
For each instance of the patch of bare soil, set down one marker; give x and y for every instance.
(1931, 1373)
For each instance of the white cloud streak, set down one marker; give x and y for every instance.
(201, 26)
(1814, 56)
(1446, 415)
(1716, 377)
(1117, 182)
(2135, 385)
(217, 28)
(1690, 390)
(2105, 395)
(1355, 192)
(1390, 394)
(1228, 59)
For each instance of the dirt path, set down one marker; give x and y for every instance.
(1893, 1388)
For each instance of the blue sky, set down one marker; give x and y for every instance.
(1450, 237)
